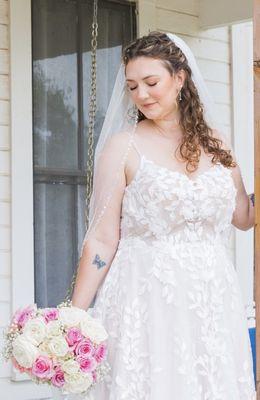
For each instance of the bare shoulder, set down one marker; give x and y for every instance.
(121, 139)
(235, 171)
(118, 141)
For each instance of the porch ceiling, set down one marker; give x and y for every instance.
(214, 13)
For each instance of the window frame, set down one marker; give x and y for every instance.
(22, 232)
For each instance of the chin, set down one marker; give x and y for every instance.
(151, 114)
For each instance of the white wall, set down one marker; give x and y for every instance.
(5, 177)
(222, 12)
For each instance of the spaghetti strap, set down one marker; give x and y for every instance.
(136, 148)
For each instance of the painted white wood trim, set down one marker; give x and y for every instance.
(189, 7)
(22, 246)
(243, 128)
(213, 13)
(26, 390)
(146, 16)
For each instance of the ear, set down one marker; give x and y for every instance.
(180, 77)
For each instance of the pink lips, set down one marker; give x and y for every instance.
(148, 105)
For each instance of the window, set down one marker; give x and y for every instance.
(61, 37)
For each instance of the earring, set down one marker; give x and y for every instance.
(180, 98)
(132, 114)
(136, 114)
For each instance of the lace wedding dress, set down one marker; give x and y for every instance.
(171, 300)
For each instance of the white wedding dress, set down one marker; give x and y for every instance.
(171, 301)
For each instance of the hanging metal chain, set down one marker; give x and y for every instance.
(92, 110)
(91, 127)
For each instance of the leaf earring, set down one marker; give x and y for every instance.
(136, 115)
(132, 114)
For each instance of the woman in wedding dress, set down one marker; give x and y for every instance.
(166, 289)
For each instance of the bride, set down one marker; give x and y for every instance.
(167, 190)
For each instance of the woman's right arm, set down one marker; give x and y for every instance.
(93, 266)
(101, 244)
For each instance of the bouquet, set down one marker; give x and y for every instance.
(64, 347)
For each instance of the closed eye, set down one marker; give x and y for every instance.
(151, 84)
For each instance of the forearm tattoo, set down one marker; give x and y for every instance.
(99, 263)
(252, 198)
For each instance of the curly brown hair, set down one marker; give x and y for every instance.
(196, 131)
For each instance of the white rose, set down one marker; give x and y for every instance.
(35, 330)
(93, 329)
(58, 346)
(71, 366)
(44, 348)
(53, 328)
(71, 316)
(24, 351)
(77, 383)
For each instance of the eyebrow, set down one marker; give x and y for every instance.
(148, 76)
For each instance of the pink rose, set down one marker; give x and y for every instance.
(84, 347)
(21, 316)
(50, 314)
(100, 353)
(87, 363)
(58, 378)
(73, 337)
(42, 367)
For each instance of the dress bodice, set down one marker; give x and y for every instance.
(163, 204)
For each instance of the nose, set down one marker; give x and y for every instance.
(142, 93)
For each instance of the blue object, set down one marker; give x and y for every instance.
(253, 347)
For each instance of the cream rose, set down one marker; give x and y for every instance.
(35, 330)
(71, 316)
(44, 348)
(77, 383)
(53, 328)
(24, 351)
(70, 366)
(58, 346)
(93, 329)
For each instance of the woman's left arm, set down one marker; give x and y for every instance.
(244, 214)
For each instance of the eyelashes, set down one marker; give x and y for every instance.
(153, 84)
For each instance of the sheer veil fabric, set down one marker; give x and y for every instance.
(116, 138)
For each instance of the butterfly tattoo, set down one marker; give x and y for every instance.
(252, 198)
(98, 261)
